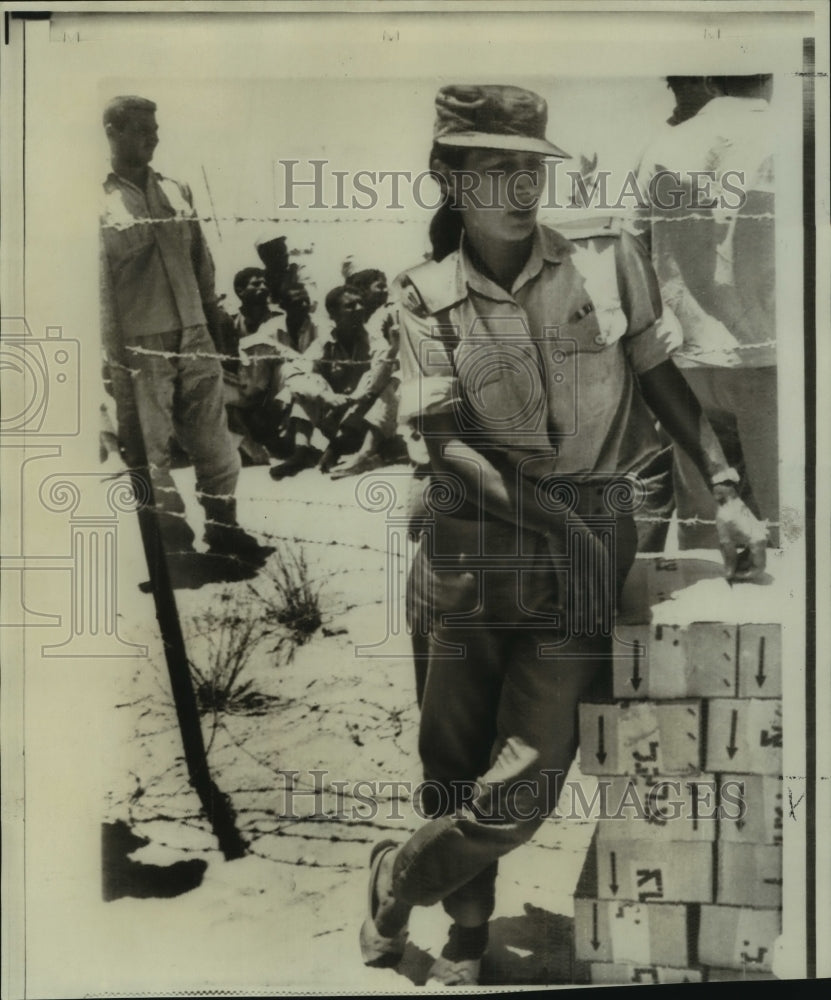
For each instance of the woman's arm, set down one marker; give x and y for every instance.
(742, 537)
(493, 481)
(673, 402)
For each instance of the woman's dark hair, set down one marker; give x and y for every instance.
(446, 224)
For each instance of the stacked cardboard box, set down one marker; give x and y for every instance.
(683, 881)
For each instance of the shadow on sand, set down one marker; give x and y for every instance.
(534, 949)
(121, 876)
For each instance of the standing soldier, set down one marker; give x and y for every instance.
(157, 294)
(714, 254)
(523, 359)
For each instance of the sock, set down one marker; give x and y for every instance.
(465, 942)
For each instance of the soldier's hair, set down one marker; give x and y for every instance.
(119, 109)
(446, 224)
(333, 298)
(241, 278)
(361, 280)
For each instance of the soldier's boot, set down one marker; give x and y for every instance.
(225, 537)
(180, 556)
(177, 534)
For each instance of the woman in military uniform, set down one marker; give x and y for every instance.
(527, 363)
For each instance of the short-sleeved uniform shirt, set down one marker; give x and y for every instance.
(156, 269)
(547, 368)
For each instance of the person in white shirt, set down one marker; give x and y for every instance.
(710, 230)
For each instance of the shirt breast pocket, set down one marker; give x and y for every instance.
(126, 243)
(502, 387)
(175, 234)
(595, 329)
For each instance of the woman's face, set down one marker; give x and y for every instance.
(499, 192)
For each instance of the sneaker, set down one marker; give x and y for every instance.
(383, 945)
(462, 972)
(460, 961)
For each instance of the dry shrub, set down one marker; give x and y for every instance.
(290, 600)
(232, 635)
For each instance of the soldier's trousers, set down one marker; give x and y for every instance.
(170, 385)
(499, 722)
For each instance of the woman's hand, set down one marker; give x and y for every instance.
(742, 538)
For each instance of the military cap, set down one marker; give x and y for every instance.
(493, 116)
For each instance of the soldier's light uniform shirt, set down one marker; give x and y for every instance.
(157, 279)
(156, 270)
(549, 366)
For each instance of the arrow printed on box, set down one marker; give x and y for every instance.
(613, 885)
(636, 667)
(601, 739)
(731, 746)
(595, 941)
(761, 676)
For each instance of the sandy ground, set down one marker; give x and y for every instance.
(286, 916)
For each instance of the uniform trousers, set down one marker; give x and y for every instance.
(169, 386)
(498, 722)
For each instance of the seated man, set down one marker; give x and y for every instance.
(344, 389)
(380, 318)
(300, 327)
(253, 381)
(255, 308)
